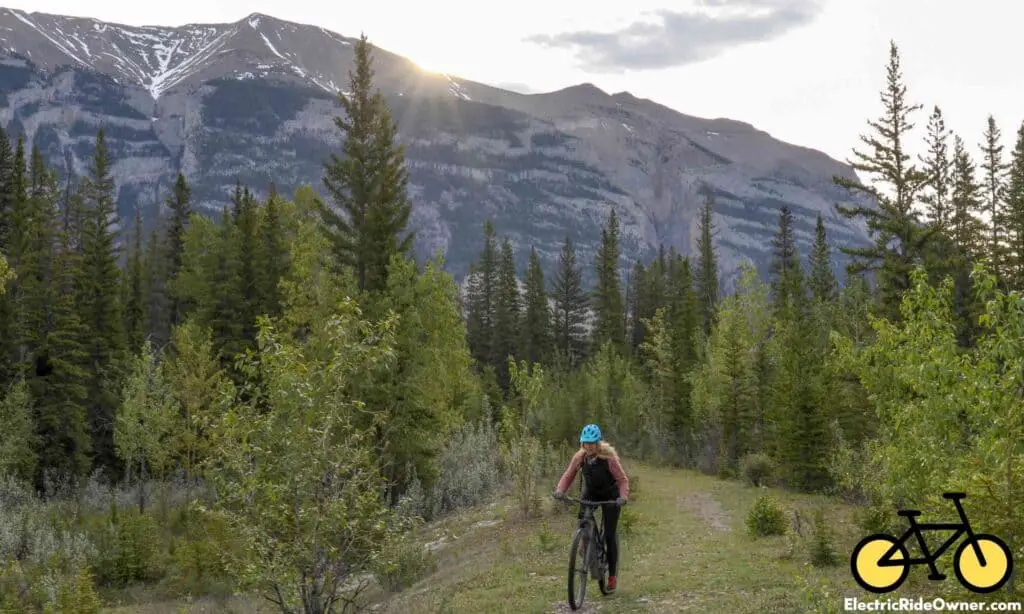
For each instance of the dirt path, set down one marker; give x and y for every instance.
(703, 505)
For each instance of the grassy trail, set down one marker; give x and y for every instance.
(684, 548)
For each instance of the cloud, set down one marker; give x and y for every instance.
(684, 37)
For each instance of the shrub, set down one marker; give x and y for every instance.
(546, 538)
(757, 468)
(401, 562)
(128, 545)
(875, 518)
(468, 474)
(766, 517)
(823, 549)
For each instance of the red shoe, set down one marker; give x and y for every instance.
(611, 583)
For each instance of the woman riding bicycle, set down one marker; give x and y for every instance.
(603, 480)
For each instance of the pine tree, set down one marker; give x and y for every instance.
(274, 257)
(682, 315)
(571, 306)
(636, 306)
(248, 252)
(62, 369)
(937, 166)
(824, 286)
(785, 259)
(225, 317)
(706, 279)
(607, 300)
(537, 335)
(481, 295)
(179, 203)
(895, 219)
(369, 184)
(134, 300)
(1015, 216)
(507, 315)
(101, 306)
(966, 202)
(995, 191)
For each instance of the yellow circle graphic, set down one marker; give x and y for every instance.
(871, 572)
(980, 577)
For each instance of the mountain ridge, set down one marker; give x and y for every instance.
(218, 101)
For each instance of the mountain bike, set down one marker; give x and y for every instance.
(588, 556)
(881, 563)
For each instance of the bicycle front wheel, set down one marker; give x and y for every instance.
(579, 558)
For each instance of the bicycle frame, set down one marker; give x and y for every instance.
(919, 529)
(588, 523)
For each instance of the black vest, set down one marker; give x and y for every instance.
(598, 482)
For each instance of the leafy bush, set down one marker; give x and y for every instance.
(757, 468)
(43, 557)
(468, 474)
(766, 517)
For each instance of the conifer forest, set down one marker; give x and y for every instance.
(274, 398)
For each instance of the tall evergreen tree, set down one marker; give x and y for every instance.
(101, 307)
(636, 306)
(785, 258)
(571, 306)
(995, 191)
(481, 297)
(610, 325)
(1015, 215)
(63, 370)
(706, 278)
(966, 203)
(899, 236)
(537, 334)
(135, 312)
(507, 315)
(937, 165)
(823, 283)
(369, 184)
(179, 203)
(274, 257)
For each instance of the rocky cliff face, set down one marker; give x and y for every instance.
(254, 100)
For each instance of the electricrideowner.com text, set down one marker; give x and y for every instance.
(919, 604)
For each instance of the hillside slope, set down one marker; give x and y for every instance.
(254, 100)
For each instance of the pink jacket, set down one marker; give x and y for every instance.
(613, 465)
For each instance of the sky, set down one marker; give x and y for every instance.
(808, 72)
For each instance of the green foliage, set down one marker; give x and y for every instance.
(129, 548)
(401, 562)
(757, 469)
(822, 546)
(148, 418)
(7, 274)
(766, 517)
(298, 484)
(948, 420)
(467, 473)
(17, 439)
(547, 540)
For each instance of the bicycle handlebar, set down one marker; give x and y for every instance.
(589, 503)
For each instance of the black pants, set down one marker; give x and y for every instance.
(610, 520)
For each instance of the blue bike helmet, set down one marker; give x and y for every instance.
(591, 434)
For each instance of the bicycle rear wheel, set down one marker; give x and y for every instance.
(579, 559)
